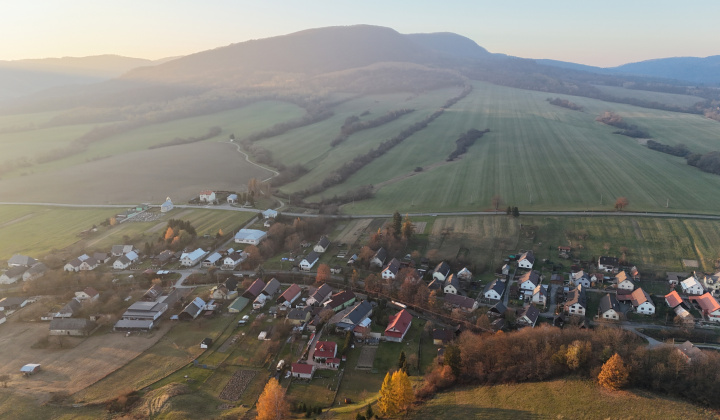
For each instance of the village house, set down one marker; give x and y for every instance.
(641, 301)
(692, 286)
(609, 308)
(89, 264)
(623, 282)
(322, 245)
(238, 305)
(212, 260)
(289, 295)
(529, 281)
(35, 272)
(709, 306)
(72, 265)
(464, 274)
(166, 206)
(232, 260)
(539, 295)
(690, 353)
(398, 325)
(576, 303)
(324, 350)
(221, 292)
(528, 316)
(442, 337)
(497, 310)
(119, 250)
(302, 370)
(270, 214)
(192, 310)
(87, 294)
(674, 278)
(580, 278)
(18, 260)
(463, 302)
(254, 290)
(207, 196)
(145, 311)
(494, 290)
(232, 199)
(564, 251)
(711, 283)
(442, 271)
(70, 309)
(250, 236)
(452, 285)
(189, 259)
(378, 259)
(608, 264)
(355, 316)
(309, 261)
(673, 299)
(125, 261)
(153, 293)
(298, 316)
(12, 275)
(634, 273)
(341, 300)
(391, 270)
(336, 269)
(683, 316)
(12, 303)
(320, 296)
(71, 326)
(526, 260)
(436, 284)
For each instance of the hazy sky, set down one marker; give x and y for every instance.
(603, 33)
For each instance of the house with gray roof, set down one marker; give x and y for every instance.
(320, 296)
(72, 326)
(356, 315)
(322, 245)
(12, 275)
(442, 271)
(528, 316)
(192, 310)
(494, 290)
(609, 308)
(452, 285)
(378, 260)
(18, 260)
(70, 309)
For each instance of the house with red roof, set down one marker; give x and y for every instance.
(398, 326)
(290, 295)
(254, 290)
(640, 300)
(673, 299)
(324, 350)
(302, 370)
(708, 305)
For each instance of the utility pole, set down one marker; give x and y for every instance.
(668, 203)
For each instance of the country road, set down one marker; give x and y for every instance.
(227, 207)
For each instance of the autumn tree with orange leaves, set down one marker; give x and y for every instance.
(272, 404)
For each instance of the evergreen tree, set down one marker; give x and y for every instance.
(397, 224)
(614, 374)
(453, 359)
(402, 362)
(515, 212)
(508, 211)
(386, 400)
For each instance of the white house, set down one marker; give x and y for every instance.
(270, 214)
(709, 306)
(608, 264)
(322, 245)
(529, 280)
(378, 260)
(528, 317)
(580, 278)
(640, 300)
(89, 294)
(494, 290)
(623, 282)
(452, 285)
(609, 308)
(309, 261)
(464, 274)
(539, 296)
(526, 260)
(12, 275)
(72, 265)
(233, 259)
(232, 199)
(250, 236)
(442, 271)
(125, 261)
(89, 264)
(576, 303)
(207, 196)
(212, 260)
(391, 270)
(36, 271)
(166, 206)
(189, 259)
(692, 286)
(18, 260)
(302, 370)
(398, 326)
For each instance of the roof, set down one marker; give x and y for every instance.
(250, 235)
(442, 334)
(75, 262)
(531, 312)
(608, 261)
(324, 242)
(532, 276)
(442, 268)
(499, 308)
(340, 298)
(195, 255)
(707, 302)
(232, 197)
(461, 301)
(18, 259)
(290, 293)
(302, 368)
(529, 256)
(690, 282)
(539, 289)
(206, 192)
(464, 273)
(121, 249)
(92, 262)
(621, 277)
(399, 323)
(452, 280)
(393, 266)
(673, 299)
(576, 295)
(325, 349)
(140, 324)
(312, 257)
(79, 324)
(322, 292)
(579, 275)
(195, 307)
(146, 306)
(435, 284)
(381, 254)
(255, 288)
(270, 213)
(30, 367)
(636, 298)
(298, 313)
(90, 291)
(609, 302)
(271, 287)
(11, 301)
(239, 304)
(496, 285)
(15, 271)
(213, 258)
(359, 312)
(71, 307)
(677, 276)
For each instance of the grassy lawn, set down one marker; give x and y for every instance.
(570, 399)
(318, 392)
(14, 406)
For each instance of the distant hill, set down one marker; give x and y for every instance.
(23, 77)
(692, 69)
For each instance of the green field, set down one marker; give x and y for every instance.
(646, 95)
(559, 399)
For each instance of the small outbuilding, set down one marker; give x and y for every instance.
(30, 369)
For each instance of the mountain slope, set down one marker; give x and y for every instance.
(691, 69)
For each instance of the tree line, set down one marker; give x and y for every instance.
(565, 104)
(353, 124)
(708, 162)
(465, 141)
(212, 132)
(626, 129)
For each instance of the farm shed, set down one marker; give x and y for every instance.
(71, 326)
(30, 368)
(238, 305)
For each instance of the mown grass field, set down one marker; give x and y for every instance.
(566, 399)
(646, 95)
(540, 156)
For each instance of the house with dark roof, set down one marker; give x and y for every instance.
(436, 284)
(674, 278)
(378, 260)
(271, 288)
(88, 293)
(322, 245)
(72, 265)
(12, 275)
(233, 259)
(192, 310)
(309, 261)
(464, 274)
(462, 302)
(690, 353)
(452, 285)
(341, 300)
(442, 271)
(526, 260)
(153, 293)
(35, 272)
(497, 310)
(398, 326)
(147, 311)
(119, 250)
(442, 336)
(298, 316)
(391, 269)
(529, 280)
(70, 309)
(580, 278)
(289, 295)
(528, 316)
(355, 316)
(576, 302)
(254, 290)
(539, 295)
(494, 290)
(18, 260)
(609, 308)
(320, 296)
(71, 326)
(10, 303)
(608, 264)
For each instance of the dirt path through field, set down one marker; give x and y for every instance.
(409, 174)
(18, 220)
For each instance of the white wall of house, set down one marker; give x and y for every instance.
(450, 289)
(491, 294)
(576, 309)
(645, 308)
(525, 264)
(610, 314)
(626, 285)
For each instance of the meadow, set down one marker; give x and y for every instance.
(569, 398)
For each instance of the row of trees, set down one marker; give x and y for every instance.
(465, 141)
(565, 104)
(212, 132)
(353, 124)
(626, 129)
